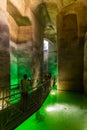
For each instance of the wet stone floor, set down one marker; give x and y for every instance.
(60, 111)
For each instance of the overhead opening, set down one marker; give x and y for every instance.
(50, 58)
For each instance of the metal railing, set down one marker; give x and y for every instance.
(11, 95)
(11, 106)
(8, 94)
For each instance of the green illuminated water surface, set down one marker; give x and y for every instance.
(60, 111)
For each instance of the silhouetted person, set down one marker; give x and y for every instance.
(24, 85)
(49, 75)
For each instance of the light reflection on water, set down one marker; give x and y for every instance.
(60, 111)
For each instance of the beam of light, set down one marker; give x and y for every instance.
(46, 45)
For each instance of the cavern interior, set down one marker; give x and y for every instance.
(40, 37)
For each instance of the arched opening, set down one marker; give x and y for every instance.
(50, 62)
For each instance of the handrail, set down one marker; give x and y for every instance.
(6, 99)
(21, 109)
(9, 86)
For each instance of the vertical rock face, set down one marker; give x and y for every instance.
(21, 54)
(24, 51)
(13, 63)
(69, 54)
(85, 64)
(71, 30)
(66, 53)
(24, 60)
(37, 57)
(4, 52)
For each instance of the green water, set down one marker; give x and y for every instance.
(60, 111)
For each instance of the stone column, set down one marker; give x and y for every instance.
(37, 49)
(85, 64)
(4, 51)
(70, 54)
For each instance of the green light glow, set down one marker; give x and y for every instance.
(13, 78)
(13, 67)
(13, 73)
(52, 65)
(62, 111)
(19, 65)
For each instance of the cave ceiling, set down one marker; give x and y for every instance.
(17, 16)
(45, 11)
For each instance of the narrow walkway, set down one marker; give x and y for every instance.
(60, 111)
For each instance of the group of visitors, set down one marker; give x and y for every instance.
(25, 85)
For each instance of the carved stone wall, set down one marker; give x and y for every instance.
(28, 21)
(71, 47)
